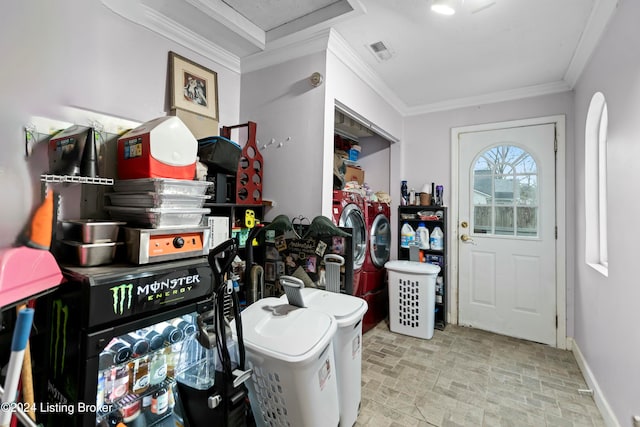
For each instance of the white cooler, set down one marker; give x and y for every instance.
(348, 312)
(412, 297)
(290, 349)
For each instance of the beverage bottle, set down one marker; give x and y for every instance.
(404, 194)
(119, 382)
(121, 350)
(156, 340)
(170, 333)
(100, 390)
(160, 401)
(146, 408)
(108, 385)
(130, 409)
(440, 195)
(140, 376)
(139, 344)
(185, 326)
(157, 368)
(172, 398)
(172, 353)
(422, 236)
(115, 420)
(106, 359)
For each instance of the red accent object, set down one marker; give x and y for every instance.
(378, 303)
(143, 165)
(250, 167)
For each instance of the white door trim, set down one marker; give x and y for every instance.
(560, 199)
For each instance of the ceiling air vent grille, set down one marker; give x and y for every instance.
(380, 51)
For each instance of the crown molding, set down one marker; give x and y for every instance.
(491, 98)
(600, 17)
(187, 38)
(143, 15)
(226, 16)
(341, 49)
(286, 49)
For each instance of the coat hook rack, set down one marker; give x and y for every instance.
(272, 141)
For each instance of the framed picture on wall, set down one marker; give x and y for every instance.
(193, 87)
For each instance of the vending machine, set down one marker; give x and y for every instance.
(113, 343)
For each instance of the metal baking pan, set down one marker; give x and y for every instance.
(162, 186)
(91, 230)
(158, 217)
(90, 254)
(155, 200)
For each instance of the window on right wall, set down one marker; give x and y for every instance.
(596, 184)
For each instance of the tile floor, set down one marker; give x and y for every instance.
(468, 377)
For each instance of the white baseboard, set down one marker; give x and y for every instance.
(601, 402)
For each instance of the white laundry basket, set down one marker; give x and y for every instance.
(348, 312)
(290, 349)
(332, 263)
(412, 297)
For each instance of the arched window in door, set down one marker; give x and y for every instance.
(505, 193)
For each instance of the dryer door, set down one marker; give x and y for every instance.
(380, 241)
(353, 218)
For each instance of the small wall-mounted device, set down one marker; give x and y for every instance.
(316, 79)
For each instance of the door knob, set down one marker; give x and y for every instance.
(465, 238)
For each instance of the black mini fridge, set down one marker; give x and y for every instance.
(114, 334)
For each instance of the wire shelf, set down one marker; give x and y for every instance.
(76, 179)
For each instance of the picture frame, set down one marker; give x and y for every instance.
(193, 87)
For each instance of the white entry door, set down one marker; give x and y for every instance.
(506, 252)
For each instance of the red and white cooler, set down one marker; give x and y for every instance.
(160, 148)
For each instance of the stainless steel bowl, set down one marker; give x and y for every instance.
(91, 230)
(90, 254)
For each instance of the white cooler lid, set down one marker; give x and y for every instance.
(412, 267)
(294, 336)
(346, 309)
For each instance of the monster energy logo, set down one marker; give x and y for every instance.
(122, 293)
(58, 334)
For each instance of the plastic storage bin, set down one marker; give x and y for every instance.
(220, 153)
(348, 312)
(290, 350)
(412, 297)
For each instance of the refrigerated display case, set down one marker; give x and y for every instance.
(114, 340)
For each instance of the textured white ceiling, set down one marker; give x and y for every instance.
(509, 45)
(490, 50)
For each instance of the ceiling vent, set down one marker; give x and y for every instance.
(381, 51)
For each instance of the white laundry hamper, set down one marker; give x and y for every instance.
(412, 297)
(294, 379)
(348, 312)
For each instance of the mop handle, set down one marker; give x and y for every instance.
(18, 344)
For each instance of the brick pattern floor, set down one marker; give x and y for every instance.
(468, 377)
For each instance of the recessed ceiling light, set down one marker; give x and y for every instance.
(443, 7)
